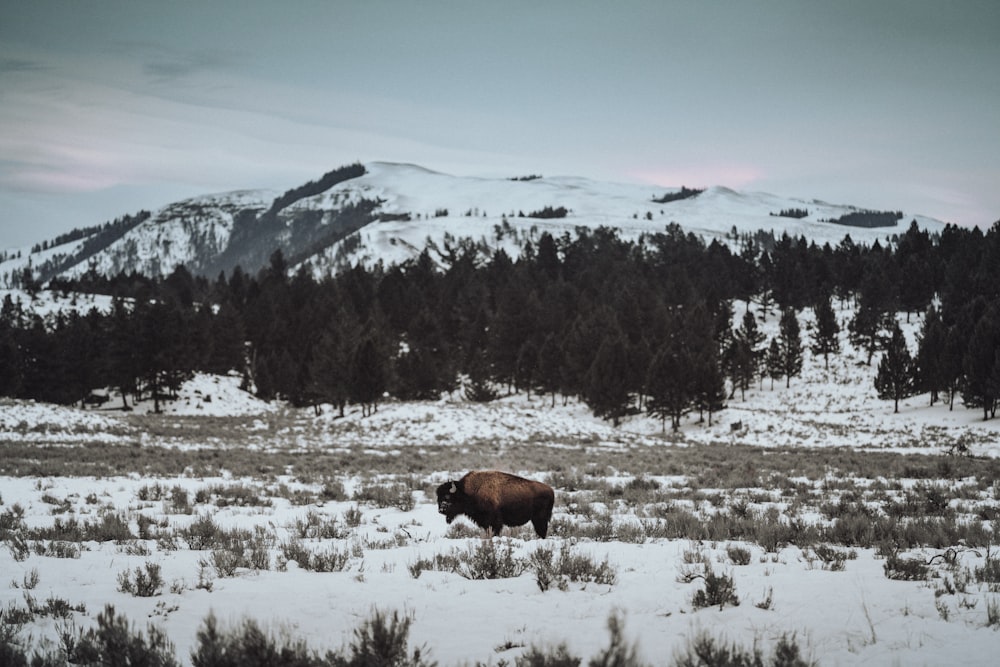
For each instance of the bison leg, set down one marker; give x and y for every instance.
(542, 514)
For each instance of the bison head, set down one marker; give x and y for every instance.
(450, 500)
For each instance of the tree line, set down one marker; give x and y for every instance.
(626, 326)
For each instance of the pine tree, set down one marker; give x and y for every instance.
(773, 361)
(607, 381)
(10, 361)
(868, 330)
(526, 370)
(548, 367)
(123, 361)
(750, 332)
(790, 343)
(742, 367)
(424, 369)
(369, 375)
(744, 354)
(709, 385)
(478, 387)
(981, 364)
(871, 326)
(931, 375)
(330, 367)
(163, 348)
(951, 362)
(896, 377)
(826, 333)
(639, 357)
(512, 325)
(228, 342)
(581, 345)
(669, 385)
(83, 355)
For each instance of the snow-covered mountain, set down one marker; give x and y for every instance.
(390, 212)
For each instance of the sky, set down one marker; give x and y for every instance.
(109, 107)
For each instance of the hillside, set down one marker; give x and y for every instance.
(389, 212)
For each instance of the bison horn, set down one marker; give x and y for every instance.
(453, 488)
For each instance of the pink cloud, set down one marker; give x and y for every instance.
(60, 180)
(730, 175)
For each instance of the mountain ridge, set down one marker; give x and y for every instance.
(389, 212)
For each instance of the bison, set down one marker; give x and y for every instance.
(494, 499)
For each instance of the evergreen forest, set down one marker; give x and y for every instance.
(625, 325)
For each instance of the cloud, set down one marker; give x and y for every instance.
(20, 66)
(162, 63)
(695, 175)
(186, 64)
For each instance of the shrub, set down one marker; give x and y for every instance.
(299, 497)
(353, 516)
(147, 493)
(203, 533)
(11, 521)
(12, 651)
(905, 569)
(989, 572)
(487, 561)
(145, 523)
(382, 640)
(619, 653)
(225, 562)
(53, 607)
(768, 600)
(853, 529)
(833, 559)
(239, 495)
(719, 590)
(704, 650)
(317, 526)
(681, 523)
(396, 495)
(147, 583)
(248, 646)
(440, 562)
(19, 547)
(240, 548)
(30, 579)
(110, 527)
(567, 567)
(331, 560)
(179, 501)
(115, 642)
(993, 612)
(557, 657)
(738, 555)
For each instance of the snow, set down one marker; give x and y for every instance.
(210, 396)
(47, 303)
(628, 207)
(189, 231)
(851, 617)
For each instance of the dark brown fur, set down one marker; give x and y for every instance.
(494, 499)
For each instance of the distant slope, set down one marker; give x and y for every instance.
(389, 212)
(422, 205)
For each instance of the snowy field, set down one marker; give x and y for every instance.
(307, 523)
